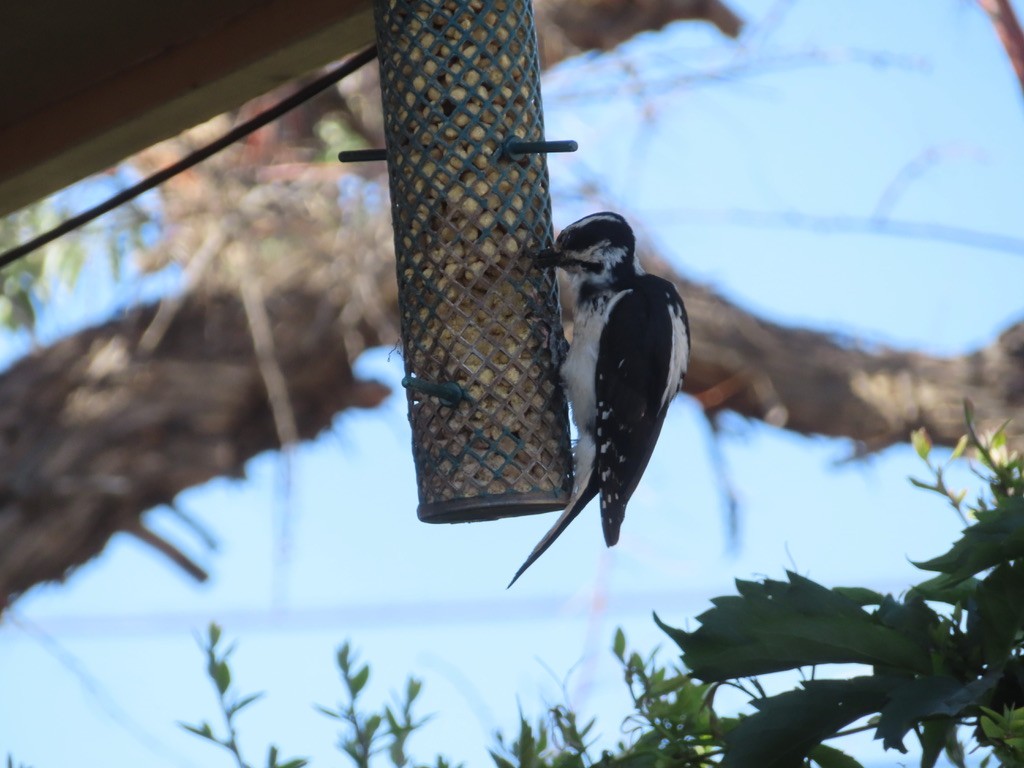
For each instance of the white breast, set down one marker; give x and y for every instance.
(580, 364)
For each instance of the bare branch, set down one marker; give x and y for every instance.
(1004, 19)
(168, 550)
(844, 225)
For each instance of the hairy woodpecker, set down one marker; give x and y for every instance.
(629, 352)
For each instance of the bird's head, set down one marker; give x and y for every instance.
(597, 248)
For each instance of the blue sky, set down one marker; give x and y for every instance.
(826, 113)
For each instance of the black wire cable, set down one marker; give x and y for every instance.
(305, 93)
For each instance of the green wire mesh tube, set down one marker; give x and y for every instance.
(490, 432)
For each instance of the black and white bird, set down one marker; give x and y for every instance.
(629, 353)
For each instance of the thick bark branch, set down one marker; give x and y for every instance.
(94, 433)
(816, 384)
(569, 27)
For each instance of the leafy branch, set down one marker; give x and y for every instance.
(946, 655)
(219, 672)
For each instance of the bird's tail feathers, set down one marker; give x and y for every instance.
(612, 516)
(572, 510)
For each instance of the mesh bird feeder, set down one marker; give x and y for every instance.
(460, 84)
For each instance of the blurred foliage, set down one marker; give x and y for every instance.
(230, 704)
(32, 281)
(941, 663)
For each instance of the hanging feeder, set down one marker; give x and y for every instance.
(460, 84)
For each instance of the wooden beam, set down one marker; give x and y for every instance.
(216, 62)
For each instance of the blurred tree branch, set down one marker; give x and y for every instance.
(1004, 19)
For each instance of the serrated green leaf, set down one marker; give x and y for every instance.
(998, 611)
(934, 735)
(997, 537)
(788, 726)
(925, 697)
(773, 626)
(946, 589)
(911, 617)
(830, 757)
(862, 596)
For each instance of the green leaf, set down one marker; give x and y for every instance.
(329, 712)
(921, 442)
(925, 697)
(203, 730)
(997, 537)
(830, 757)
(238, 706)
(787, 727)
(221, 675)
(298, 762)
(911, 617)
(412, 689)
(923, 485)
(999, 611)
(371, 725)
(619, 644)
(934, 735)
(862, 596)
(961, 446)
(214, 635)
(773, 625)
(946, 589)
(358, 681)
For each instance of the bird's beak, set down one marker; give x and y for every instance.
(548, 257)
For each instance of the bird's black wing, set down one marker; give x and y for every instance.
(637, 343)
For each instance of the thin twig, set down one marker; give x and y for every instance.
(282, 412)
(95, 689)
(831, 225)
(170, 306)
(266, 358)
(164, 547)
(917, 167)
